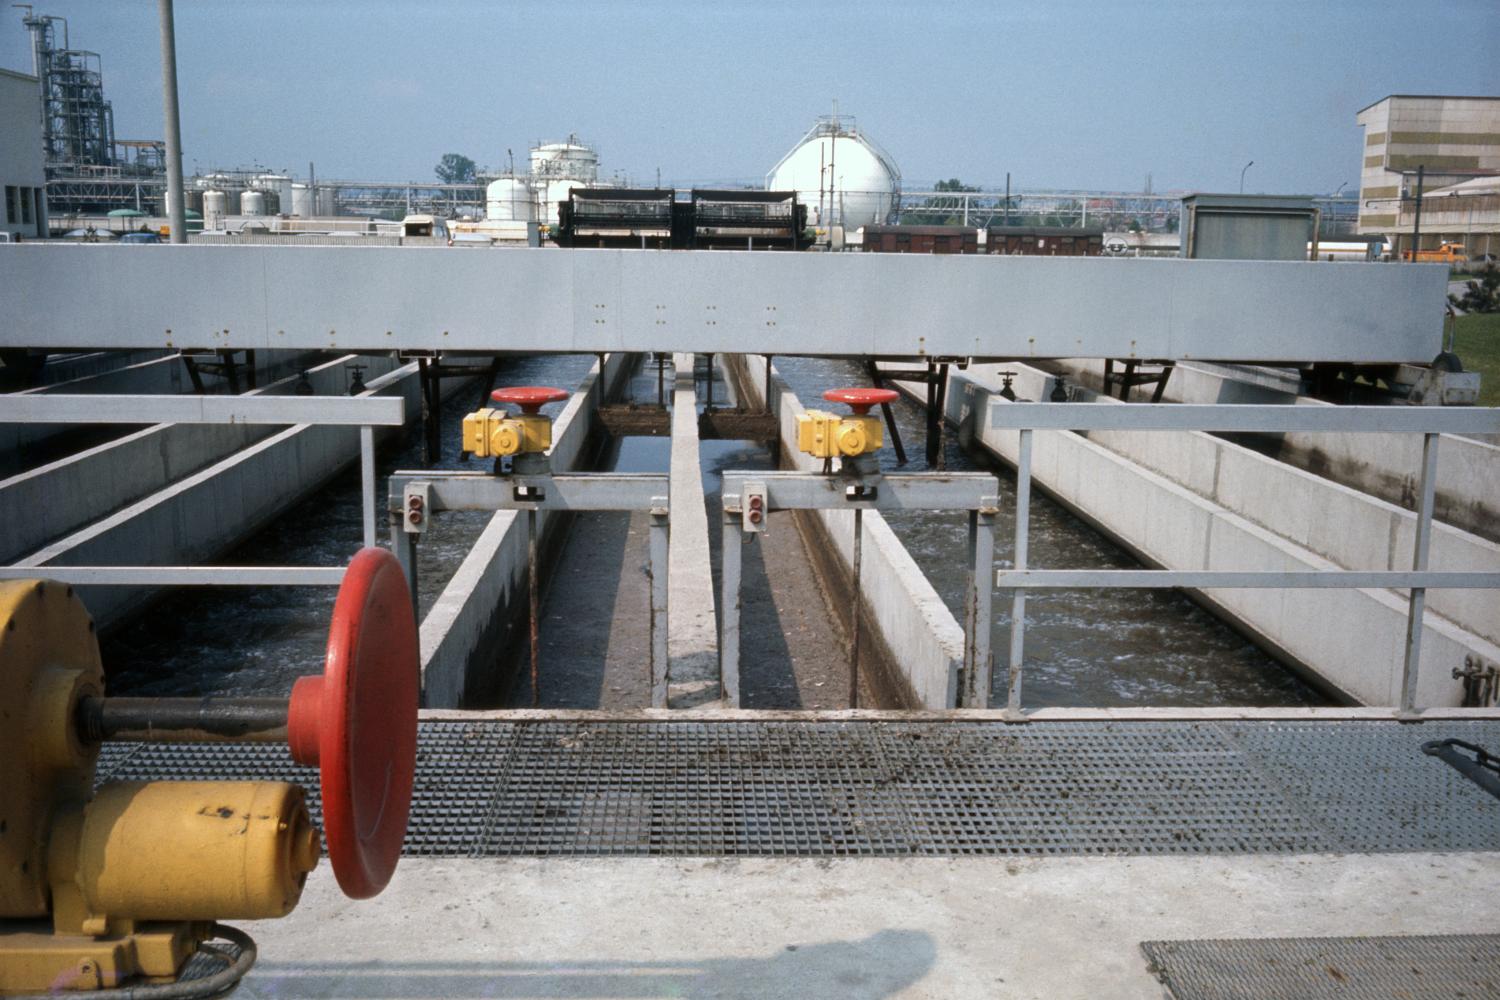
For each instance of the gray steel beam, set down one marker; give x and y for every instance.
(38, 408)
(181, 576)
(1082, 579)
(922, 491)
(1244, 417)
(557, 300)
(564, 491)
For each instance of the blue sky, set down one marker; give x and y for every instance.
(1060, 94)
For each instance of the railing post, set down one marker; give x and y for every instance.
(367, 481)
(976, 687)
(1018, 600)
(729, 603)
(1426, 489)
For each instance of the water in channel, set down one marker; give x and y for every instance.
(1095, 648)
(258, 640)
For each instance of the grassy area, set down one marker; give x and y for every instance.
(1477, 342)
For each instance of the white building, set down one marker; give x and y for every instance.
(22, 173)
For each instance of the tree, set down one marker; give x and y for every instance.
(1481, 296)
(455, 168)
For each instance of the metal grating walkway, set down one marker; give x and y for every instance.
(1376, 968)
(876, 788)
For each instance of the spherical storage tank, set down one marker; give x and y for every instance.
(509, 199)
(840, 174)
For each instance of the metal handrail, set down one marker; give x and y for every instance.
(1430, 422)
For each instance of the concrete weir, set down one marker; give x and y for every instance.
(1196, 501)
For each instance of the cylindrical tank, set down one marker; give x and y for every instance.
(325, 202)
(252, 203)
(301, 201)
(556, 192)
(842, 176)
(278, 191)
(570, 159)
(509, 199)
(215, 207)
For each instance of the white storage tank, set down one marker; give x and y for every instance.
(252, 203)
(509, 199)
(571, 160)
(215, 207)
(840, 174)
(278, 191)
(302, 203)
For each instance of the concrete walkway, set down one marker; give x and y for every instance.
(861, 928)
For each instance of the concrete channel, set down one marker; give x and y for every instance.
(1197, 501)
(197, 517)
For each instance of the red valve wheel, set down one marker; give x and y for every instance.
(530, 398)
(358, 722)
(860, 400)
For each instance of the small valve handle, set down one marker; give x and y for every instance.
(860, 400)
(530, 398)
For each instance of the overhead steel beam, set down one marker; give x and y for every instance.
(556, 300)
(37, 408)
(1248, 418)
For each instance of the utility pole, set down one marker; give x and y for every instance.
(1416, 226)
(177, 206)
(1242, 175)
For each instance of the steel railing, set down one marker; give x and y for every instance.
(1430, 422)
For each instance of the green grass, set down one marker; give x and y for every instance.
(1477, 343)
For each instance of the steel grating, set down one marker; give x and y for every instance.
(490, 788)
(1348, 968)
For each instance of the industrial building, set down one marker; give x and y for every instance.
(1455, 143)
(21, 168)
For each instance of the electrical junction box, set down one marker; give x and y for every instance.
(753, 507)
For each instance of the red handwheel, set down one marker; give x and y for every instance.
(860, 400)
(358, 722)
(530, 398)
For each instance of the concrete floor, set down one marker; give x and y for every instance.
(860, 928)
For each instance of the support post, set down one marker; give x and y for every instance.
(1018, 599)
(859, 533)
(367, 482)
(404, 545)
(658, 570)
(533, 611)
(976, 686)
(729, 640)
(1416, 603)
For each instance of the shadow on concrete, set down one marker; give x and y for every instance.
(879, 966)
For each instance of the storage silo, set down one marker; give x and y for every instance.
(509, 199)
(278, 191)
(215, 207)
(252, 203)
(559, 167)
(302, 201)
(840, 174)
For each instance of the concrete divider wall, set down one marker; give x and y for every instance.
(216, 508)
(1387, 466)
(693, 629)
(63, 496)
(925, 641)
(474, 615)
(1353, 641)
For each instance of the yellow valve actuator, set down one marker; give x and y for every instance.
(491, 433)
(831, 435)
